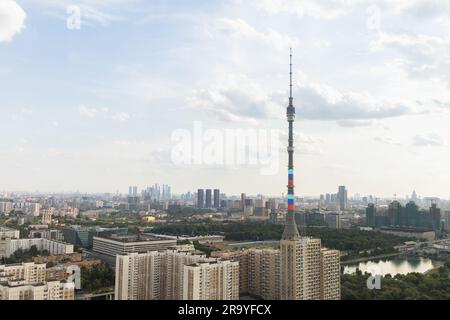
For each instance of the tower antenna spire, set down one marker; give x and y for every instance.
(290, 74)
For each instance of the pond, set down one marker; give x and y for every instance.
(394, 266)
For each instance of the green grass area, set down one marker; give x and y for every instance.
(97, 279)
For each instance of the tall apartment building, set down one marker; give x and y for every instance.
(241, 257)
(264, 273)
(447, 220)
(259, 271)
(310, 265)
(6, 207)
(217, 280)
(216, 203)
(208, 198)
(47, 215)
(317, 271)
(200, 198)
(342, 198)
(156, 275)
(330, 275)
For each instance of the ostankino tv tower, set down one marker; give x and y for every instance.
(290, 229)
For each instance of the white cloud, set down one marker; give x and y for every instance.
(240, 29)
(388, 140)
(12, 20)
(120, 116)
(355, 123)
(21, 115)
(319, 102)
(91, 112)
(88, 112)
(313, 8)
(237, 98)
(429, 139)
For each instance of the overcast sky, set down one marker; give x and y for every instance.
(94, 109)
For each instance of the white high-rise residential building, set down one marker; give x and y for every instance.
(317, 271)
(241, 257)
(218, 280)
(155, 275)
(303, 256)
(6, 207)
(259, 271)
(330, 277)
(264, 273)
(35, 209)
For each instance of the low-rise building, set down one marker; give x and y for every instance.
(9, 233)
(107, 249)
(425, 234)
(27, 281)
(10, 246)
(52, 290)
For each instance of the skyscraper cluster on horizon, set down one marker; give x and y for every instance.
(207, 199)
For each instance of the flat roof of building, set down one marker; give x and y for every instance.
(132, 238)
(406, 229)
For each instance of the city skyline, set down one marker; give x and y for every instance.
(93, 115)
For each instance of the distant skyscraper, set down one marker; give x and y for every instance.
(447, 220)
(208, 199)
(370, 215)
(200, 198)
(216, 198)
(435, 214)
(132, 191)
(242, 200)
(414, 196)
(342, 198)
